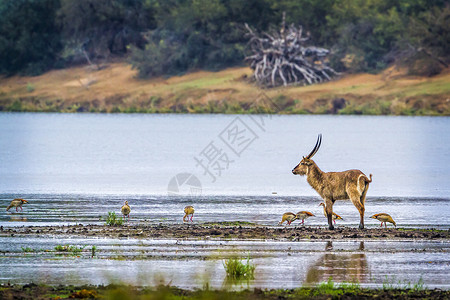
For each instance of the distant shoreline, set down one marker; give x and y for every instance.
(116, 89)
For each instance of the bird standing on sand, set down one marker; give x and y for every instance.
(289, 217)
(303, 215)
(17, 203)
(384, 218)
(188, 210)
(126, 210)
(335, 215)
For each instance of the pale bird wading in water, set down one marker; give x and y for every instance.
(332, 186)
(17, 203)
(303, 215)
(335, 215)
(288, 217)
(189, 211)
(126, 209)
(384, 218)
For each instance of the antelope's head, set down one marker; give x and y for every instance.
(302, 167)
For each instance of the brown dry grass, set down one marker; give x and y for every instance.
(116, 87)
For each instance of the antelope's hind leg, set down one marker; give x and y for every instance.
(355, 198)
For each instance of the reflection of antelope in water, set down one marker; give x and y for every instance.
(332, 186)
(342, 267)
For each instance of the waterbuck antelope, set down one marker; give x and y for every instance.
(332, 186)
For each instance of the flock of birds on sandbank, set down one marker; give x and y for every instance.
(288, 217)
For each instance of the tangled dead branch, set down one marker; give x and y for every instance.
(281, 58)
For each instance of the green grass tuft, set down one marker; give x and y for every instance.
(69, 248)
(113, 220)
(237, 270)
(28, 249)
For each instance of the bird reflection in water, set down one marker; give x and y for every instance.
(17, 218)
(340, 266)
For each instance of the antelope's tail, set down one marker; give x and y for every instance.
(366, 188)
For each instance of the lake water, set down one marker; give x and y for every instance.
(74, 168)
(190, 263)
(242, 155)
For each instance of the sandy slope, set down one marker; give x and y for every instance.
(116, 88)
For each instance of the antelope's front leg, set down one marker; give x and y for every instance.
(329, 211)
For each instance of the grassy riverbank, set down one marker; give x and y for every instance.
(327, 290)
(115, 88)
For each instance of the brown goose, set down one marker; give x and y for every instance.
(384, 218)
(17, 203)
(303, 215)
(335, 215)
(188, 210)
(288, 217)
(126, 210)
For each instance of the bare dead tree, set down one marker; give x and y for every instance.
(332, 186)
(282, 58)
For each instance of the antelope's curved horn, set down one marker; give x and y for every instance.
(316, 147)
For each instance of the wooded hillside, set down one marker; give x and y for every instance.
(167, 37)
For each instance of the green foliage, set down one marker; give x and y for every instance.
(429, 35)
(167, 37)
(30, 87)
(327, 288)
(15, 106)
(113, 220)
(28, 249)
(74, 250)
(29, 37)
(102, 28)
(332, 289)
(391, 284)
(237, 270)
(196, 34)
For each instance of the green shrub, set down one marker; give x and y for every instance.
(16, 106)
(113, 220)
(115, 109)
(30, 88)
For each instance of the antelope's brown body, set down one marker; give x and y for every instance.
(188, 210)
(332, 186)
(17, 203)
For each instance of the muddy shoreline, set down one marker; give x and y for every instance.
(226, 231)
(33, 291)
